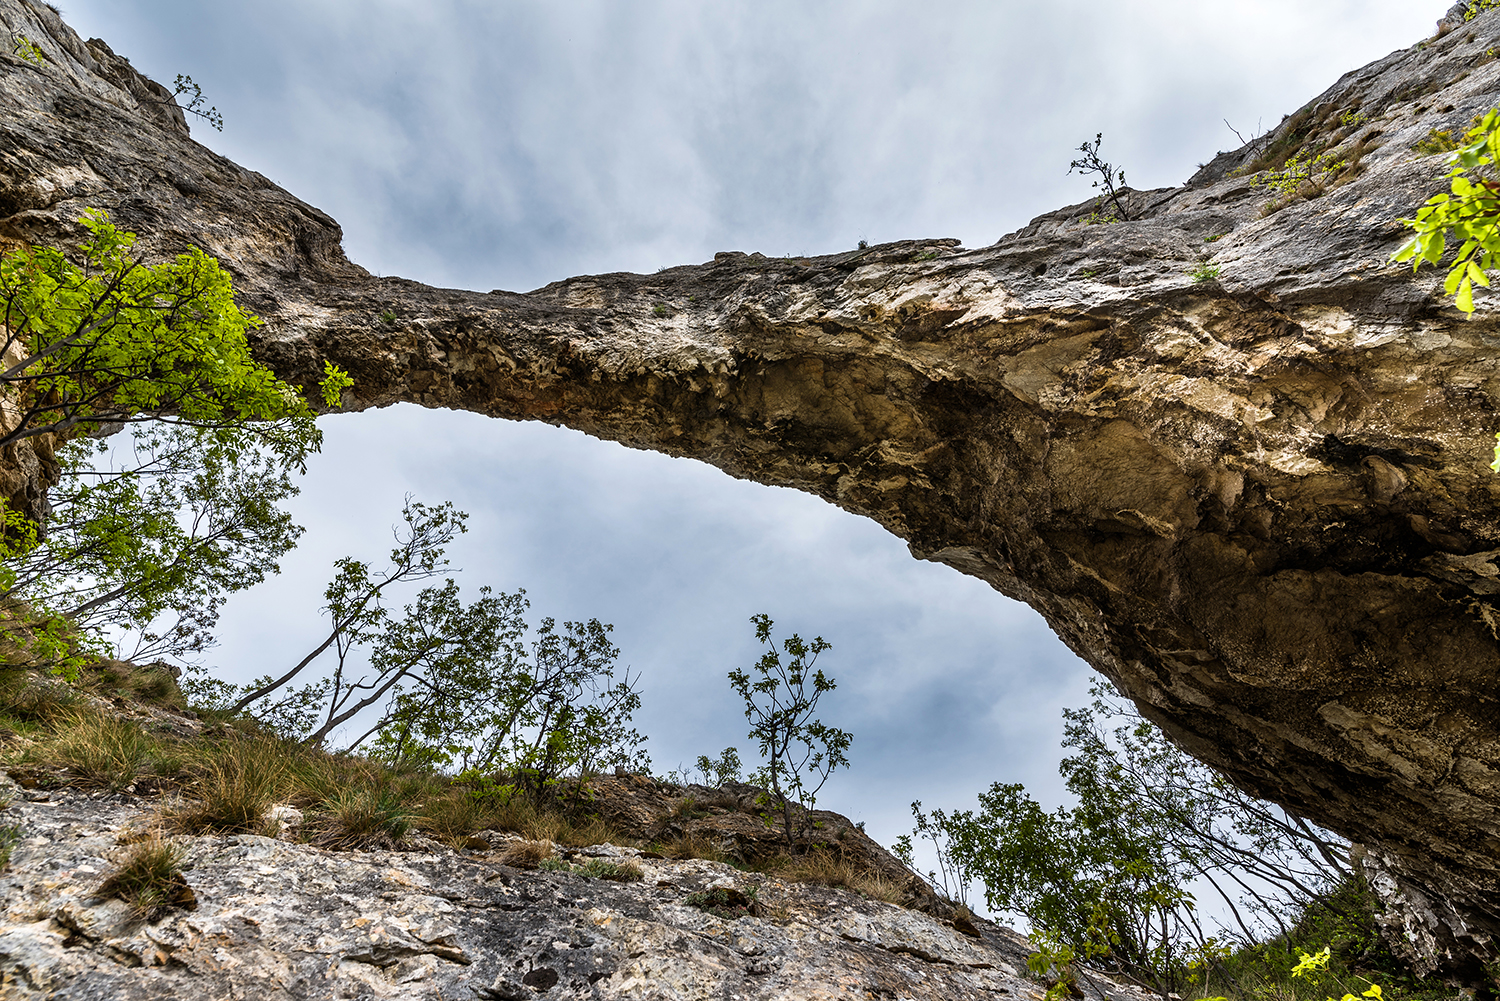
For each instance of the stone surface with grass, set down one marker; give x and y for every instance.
(189, 857)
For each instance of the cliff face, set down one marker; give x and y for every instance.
(1258, 502)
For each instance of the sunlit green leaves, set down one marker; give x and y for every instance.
(1468, 214)
(110, 339)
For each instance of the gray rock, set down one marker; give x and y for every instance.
(278, 921)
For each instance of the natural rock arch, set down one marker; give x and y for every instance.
(1258, 503)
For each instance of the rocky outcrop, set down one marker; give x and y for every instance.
(275, 920)
(1235, 457)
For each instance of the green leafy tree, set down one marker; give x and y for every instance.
(1110, 877)
(448, 684)
(950, 877)
(542, 713)
(109, 340)
(355, 604)
(799, 750)
(145, 540)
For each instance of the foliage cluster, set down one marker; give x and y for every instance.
(1468, 213)
(1436, 141)
(26, 49)
(1108, 883)
(1477, 7)
(110, 340)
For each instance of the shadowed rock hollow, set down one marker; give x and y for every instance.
(1258, 502)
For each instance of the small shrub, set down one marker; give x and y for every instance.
(1205, 272)
(26, 49)
(1436, 141)
(926, 255)
(150, 879)
(1111, 181)
(659, 309)
(719, 772)
(1302, 173)
(800, 751)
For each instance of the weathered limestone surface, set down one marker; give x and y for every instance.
(274, 921)
(1259, 503)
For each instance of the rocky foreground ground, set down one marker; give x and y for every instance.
(274, 920)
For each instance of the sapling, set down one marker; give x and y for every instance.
(800, 752)
(1111, 178)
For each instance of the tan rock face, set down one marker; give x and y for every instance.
(1258, 502)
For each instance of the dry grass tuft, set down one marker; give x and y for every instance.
(453, 817)
(361, 819)
(239, 779)
(150, 879)
(825, 868)
(618, 870)
(693, 845)
(101, 750)
(526, 854)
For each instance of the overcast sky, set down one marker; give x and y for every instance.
(506, 145)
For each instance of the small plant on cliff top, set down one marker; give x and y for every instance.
(1111, 179)
(1477, 7)
(800, 752)
(185, 85)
